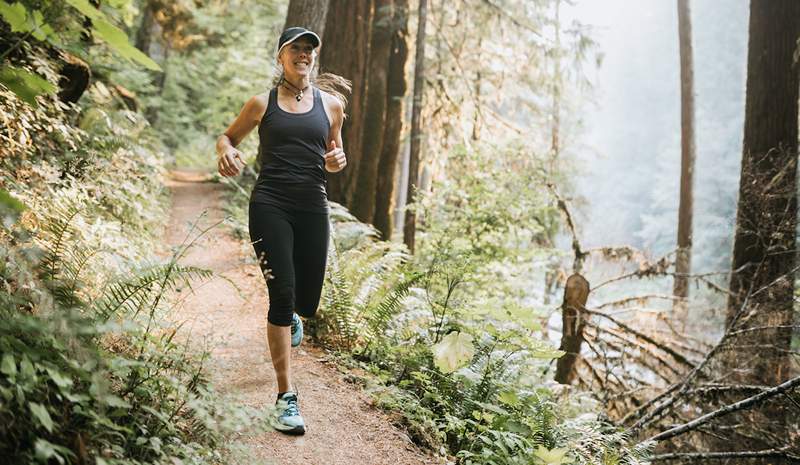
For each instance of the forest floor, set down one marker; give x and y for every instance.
(342, 425)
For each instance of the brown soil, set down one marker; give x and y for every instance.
(342, 426)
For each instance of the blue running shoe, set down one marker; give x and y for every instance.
(297, 330)
(286, 418)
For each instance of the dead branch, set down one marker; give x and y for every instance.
(741, 405)
(644, 348)
(777, 453)
(678, 357)
(659, 268)
(638, 298)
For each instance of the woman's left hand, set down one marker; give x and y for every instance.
(335, 160)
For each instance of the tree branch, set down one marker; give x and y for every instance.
(726, 455)
(741, 405)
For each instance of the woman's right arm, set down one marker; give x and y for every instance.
(229, 160)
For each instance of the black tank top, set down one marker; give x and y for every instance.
(293, 147)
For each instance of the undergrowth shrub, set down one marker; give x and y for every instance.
(89, 372)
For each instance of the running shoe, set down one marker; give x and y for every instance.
(286, 418)
(297, 330)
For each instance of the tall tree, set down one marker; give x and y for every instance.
(311, 14)
(685, 209)
(393, 127)
(377, 30)
(362, 203)
(410, 224)
(760, 303)
(764, 255)
(150, 40)
(346, 51)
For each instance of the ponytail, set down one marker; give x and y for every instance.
(333, 84)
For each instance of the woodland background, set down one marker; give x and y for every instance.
(566, 233)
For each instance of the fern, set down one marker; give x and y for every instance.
(382, 312)
(54, 238)
(338, 317)
(130, 294)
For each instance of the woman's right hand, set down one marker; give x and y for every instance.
(230, 162)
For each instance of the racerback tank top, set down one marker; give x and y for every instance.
(293, 147)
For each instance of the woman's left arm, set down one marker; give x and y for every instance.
(335, 159)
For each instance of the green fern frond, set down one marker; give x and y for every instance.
(131, 294)
(380, 314)
(54, 238)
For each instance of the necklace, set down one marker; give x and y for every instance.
(298, 93)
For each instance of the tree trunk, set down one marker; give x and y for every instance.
(345, 52)
(555, 144)
(685, 209)
(766, 221)
(576, 293)
(393, 128)
(363, 200)
(150, 40)
(764, 253)
(402, 188)
(149, 36)
(310, 14)
(409, 227)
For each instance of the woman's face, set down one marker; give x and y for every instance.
(298, 57)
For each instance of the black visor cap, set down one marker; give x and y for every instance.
(293, 33)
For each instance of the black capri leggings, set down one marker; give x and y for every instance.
(293, 247)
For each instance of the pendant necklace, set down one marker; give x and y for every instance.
(298, 93)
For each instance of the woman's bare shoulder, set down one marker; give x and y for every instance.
(256, 106)
(258, 102)
(333, 103)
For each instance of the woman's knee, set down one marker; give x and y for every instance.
(281, 305)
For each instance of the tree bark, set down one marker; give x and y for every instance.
(310, 14)
(362, 204)
(393, 127)
(764, 250)
(683, 264)
(764, 243)
(409, 228)
(345, 52)
(576, 293)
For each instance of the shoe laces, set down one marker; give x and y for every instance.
(291, 408)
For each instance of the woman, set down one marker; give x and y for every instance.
(299, 128)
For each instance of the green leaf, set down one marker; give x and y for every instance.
(46, 450)
(58, 378)
(556, 456)
(509, 398)
(112, 35)
(15, 15)
(114, 401)
(118, 40)
(492, 408)
(39, 27)
(41, 414)
(540, 349)
(86, 8)
(7, 366)
(25, 84)
(23, 20)
(453, 352)
(26, 369)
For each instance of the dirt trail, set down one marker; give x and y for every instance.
(342, 427)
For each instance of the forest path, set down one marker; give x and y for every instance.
(342, 426)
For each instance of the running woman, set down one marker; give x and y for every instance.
(299, 129)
